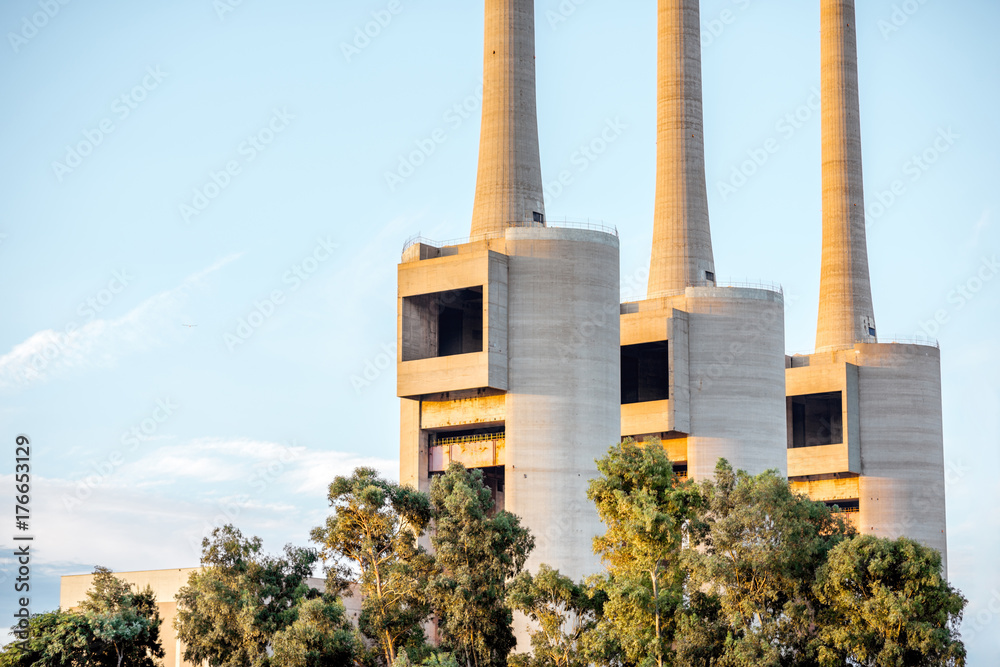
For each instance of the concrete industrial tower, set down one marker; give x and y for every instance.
(702, 365)
(508, 356)
(864, 418)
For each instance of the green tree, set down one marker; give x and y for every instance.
(566, 614)
(228, 613)
(54, 639)
(114, 627)
(321, 636)
(889, 606)
(759, 557)
(647, 512)
(125, 623)
(477, 552)
(374, 528)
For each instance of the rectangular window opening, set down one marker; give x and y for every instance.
(851, 506)
(443, 324)
(817, 419)
(537, 217)
(645, 372)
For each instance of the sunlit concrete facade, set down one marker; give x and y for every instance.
(702, 364)
(515, 356)
(508, 344)
(864, 418)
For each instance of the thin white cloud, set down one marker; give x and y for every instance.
(100, 343)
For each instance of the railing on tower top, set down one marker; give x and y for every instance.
(745, 284)
(562, 224)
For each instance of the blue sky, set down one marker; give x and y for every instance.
(225, 165)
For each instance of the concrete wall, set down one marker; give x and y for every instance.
(736, 340)
(564, 375)
(165, 584)
(902, 443)
(895, 419)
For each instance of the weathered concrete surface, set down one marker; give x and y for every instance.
(901, 488)
(479, 267)
(509, 183)
(682, 241)
(727, 379)
(846, 315)
(564, 386)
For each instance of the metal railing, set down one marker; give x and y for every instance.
(469, 439)
(927, 342)
(563, 224)
(742, 284)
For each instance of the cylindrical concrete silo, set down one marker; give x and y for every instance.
(563, 386)
(902, 485)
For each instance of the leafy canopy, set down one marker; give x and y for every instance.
(373, 532)
(228, 613)
(477, 550)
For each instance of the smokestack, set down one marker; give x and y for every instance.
(682, 240)
(509, 184)
(846, 315)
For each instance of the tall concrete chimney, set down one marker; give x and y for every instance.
(509, 184)
(846, 315)
(682, 241)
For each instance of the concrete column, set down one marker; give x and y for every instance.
(509, 184)
(682, 241)
(846, 315)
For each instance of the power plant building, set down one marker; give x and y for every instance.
(514, 354)
(864, 417)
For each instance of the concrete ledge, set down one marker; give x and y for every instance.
(647, 417)
(440, 374)
(463, 411)
(820, 460)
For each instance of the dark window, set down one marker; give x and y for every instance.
(443, 324)
(645, 372)
(817, 419)
(538, 217)
(710, 277)
(871, 331)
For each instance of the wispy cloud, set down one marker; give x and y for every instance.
(100, 343)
